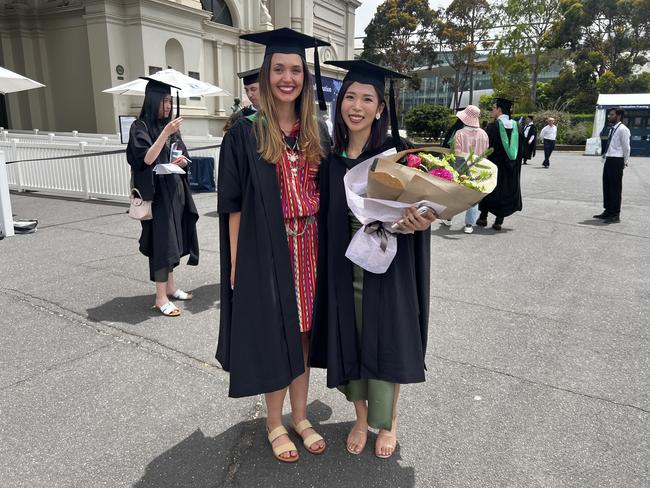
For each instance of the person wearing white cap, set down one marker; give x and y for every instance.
(470, 138)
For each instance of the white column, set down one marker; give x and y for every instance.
(218, 75)
(6, 217)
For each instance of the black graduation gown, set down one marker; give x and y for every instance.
(529, 148)
(259, 333)
(171, 234)
(506, 197)
(395, 304)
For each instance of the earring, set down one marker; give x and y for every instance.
(378, 116)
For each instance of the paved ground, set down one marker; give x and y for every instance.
(539, 357)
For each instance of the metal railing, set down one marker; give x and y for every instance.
(95, 176)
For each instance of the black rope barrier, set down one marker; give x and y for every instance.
(101, 153)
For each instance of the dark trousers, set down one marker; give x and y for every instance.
(613, 185)
(549, 145)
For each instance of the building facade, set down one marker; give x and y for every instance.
(78, 48)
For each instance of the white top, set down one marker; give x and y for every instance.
(549, 132)
(526, 132)
(619, 144)
(507, 123)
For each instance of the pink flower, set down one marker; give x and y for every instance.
(413, 161)
(442, 173)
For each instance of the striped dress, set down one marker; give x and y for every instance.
(300, 203)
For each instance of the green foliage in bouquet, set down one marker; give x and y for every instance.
(470, 171)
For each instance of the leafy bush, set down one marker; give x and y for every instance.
(577, 134)
(427, 121)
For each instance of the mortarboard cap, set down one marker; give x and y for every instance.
(249, 77)
(363, 71)
(289, 41)
(503, 103)
(157, 86)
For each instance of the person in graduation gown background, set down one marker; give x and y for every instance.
(503, 133)
(268, 199)
(370, 330)
(250, 80)
(171, 234)
(529, 142)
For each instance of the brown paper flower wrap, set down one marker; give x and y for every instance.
(390, 180)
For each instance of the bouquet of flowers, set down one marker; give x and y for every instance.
(379, 189)
(455, 181)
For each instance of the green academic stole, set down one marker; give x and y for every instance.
(511, 146)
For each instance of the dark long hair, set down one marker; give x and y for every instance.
(150, 110)
(377, 131)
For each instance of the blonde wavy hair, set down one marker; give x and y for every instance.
(270, 143)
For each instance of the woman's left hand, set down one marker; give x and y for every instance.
(180, 161)
(412, 220)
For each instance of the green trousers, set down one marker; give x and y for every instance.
(379, 394)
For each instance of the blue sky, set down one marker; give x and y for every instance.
(366, 12)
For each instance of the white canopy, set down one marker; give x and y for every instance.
(12, 82)
(189, 87)
(624, 100)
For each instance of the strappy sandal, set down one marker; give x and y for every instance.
(394, 446)
(181, 295)
(168, 310)
(310, 440)
(363, 445)
(282, 448)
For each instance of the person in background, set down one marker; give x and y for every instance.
(529, 139)
(250, 79)
(470, 138)
(504, 138)
(268, 199)
(548, 136)
(171, 234)
(616, 159)
(328, 124)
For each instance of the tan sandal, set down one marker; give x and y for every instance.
(310, 440)
(282, 448)
(388, 434)
(364, 433)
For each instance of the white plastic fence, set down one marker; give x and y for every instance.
(106, 176)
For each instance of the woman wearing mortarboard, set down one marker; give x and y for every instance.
(171, 234)
(268, 199)
(370, 330)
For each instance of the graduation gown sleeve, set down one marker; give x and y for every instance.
(259, 335)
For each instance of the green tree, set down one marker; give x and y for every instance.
(529, 29)
(400, 34)
(604, 39)
(465, 31)
(427, 121)
(511, 77)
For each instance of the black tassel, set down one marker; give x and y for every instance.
(319, 82)
(178, 105)
(394, 129)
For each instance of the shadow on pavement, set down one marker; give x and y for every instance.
(214, 213)
(136, 309)
(241, 456)
(594, 222)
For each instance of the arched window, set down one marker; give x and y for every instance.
(220, 11)
(174, 55)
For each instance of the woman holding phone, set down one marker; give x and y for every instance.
(171, 234)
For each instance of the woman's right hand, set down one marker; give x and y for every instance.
(173, 126)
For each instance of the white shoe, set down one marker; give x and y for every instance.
(468, 229)
(446, 222)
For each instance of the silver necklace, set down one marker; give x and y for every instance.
(293, 151)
